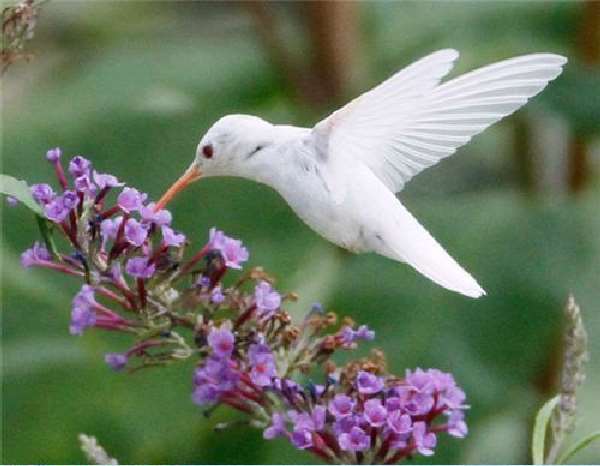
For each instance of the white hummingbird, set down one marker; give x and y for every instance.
(341, 176)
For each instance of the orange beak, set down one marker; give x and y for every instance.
(191, 174)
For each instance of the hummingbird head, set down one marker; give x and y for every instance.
(230, 143)
(225, 150)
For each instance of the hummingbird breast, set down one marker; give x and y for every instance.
(302, 181)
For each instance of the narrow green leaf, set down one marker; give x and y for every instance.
(46, 232)
(538, 440)
(584, 442)
(19, 190)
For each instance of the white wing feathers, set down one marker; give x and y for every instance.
(412, 243)
(411, 122)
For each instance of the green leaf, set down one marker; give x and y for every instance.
(584, 442)
(19, 190)
(538, 441)
(45, 228)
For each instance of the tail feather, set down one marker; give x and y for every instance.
(412, 243)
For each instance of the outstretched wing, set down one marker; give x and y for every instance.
(411, 122)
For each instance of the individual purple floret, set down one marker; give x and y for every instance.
(277, 427)
(368, 383)
(217, 296)
(79, 166)
(398, 422)
(109, 228)
(221, 341)
(12, 201)
(83, 184)
(42, 193)
(56, 210)
(205, 394)
(232, 250)
(139, 267)
(162, 217)
(104, 181)
(365, 333)
(375, 413)
(131, 199)
(135, 232)
(341, 406)
(302, 439)
(457, 427)
(70, 200)
(424, 441)
(267, 299)
(116, 361)
(82, 313)
(355, 440)
(262, 364)
(36, 255)
(350, 336)
(53, 155)
(170, 238)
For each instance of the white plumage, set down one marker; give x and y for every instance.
(340, 177)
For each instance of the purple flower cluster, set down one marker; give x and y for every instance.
(388, 421)
(218, 374)
(133, 263)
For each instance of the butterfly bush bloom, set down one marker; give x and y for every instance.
(277, 427)
(116, 361)
(83, 184)
(341, 406)
(232, 250)
(135, 232)
(56, 210)
(368, 383)
(267, 299)
(355, 440)
(36, 255)
(262, 364)
(140, 267)
(83, 314)
(42, 193)
(79, 166)
(104, 181)
(53, 155)
(179, 304)
(131, 199)
(217, 296)
(170, 238)
(221, 342)
(162, 217)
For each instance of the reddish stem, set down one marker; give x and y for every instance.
(70, 234)
(141, 292)
(110, 212)
(245, 316)
(160, 250)
(101, 195)
(109, 294)
(60, 174)
(197, 257)
(59, 268)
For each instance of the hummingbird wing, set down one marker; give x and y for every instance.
(411, 121)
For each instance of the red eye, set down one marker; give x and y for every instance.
(207, 151)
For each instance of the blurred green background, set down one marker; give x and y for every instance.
(134, 85)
